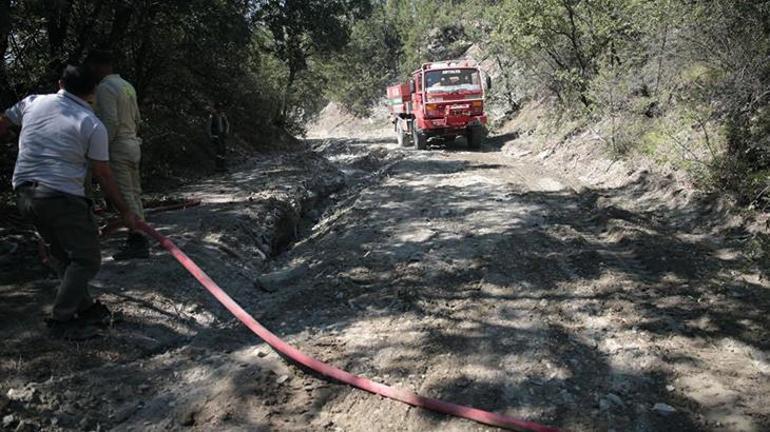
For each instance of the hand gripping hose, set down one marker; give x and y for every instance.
(330, 371)
(116, 223)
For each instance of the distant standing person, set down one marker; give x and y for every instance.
(117, 107)
(218, 128)
(60, 137)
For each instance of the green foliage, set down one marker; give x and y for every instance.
(394, 40)
(566, 43)
(367, 65)
(303, 29)
(682, 82)
(257, 57)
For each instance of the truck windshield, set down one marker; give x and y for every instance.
(452, 80)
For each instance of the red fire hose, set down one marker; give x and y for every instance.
(330, 371)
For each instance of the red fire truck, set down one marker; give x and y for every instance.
(441, 100)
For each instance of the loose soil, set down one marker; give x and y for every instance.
(506, 280)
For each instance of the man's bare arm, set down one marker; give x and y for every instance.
(103, 174)
(5, 124)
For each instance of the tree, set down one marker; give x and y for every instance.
(561, 41)
(302, 29)
(5, 30)
(370, 61)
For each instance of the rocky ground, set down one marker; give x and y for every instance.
(514, 281)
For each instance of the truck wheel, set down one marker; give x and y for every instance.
(420, 139)
(474, 135)
(403, 141)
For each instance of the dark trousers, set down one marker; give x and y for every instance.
(220, 148)
(67, 225)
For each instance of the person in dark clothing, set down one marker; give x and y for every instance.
(218, 128)
(60, 138)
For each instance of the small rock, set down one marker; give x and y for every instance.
(272, 282)
(567, 397)
(84, 424)
(604, 405)
(123, 394)
(262, 353)
(65, 420)
(26, 427)
(187, 418)
(616, 400)
(663, 409)
(670, 388)
(22, 395)
(69, 408)
(123, 412)
(282, 379)
(8, 421)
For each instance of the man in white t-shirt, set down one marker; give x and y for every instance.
(60, 138)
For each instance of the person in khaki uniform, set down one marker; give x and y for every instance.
(117, 108)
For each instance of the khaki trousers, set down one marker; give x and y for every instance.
(128, 179)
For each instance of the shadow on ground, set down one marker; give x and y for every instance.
(558, 298)
(562, 307)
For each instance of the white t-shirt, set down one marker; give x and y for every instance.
(59, 134)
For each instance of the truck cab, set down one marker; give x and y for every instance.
(442, 99)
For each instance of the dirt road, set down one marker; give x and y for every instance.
(484, 279)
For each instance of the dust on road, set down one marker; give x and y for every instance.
(475, 277)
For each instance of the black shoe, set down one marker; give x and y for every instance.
(98, 315)
(132, 252)
(73, 330)
(137, 247)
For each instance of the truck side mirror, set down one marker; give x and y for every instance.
(412, 88)
(489, 83)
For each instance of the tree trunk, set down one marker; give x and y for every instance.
(143, 64)
(283, 113)
(57, 24)
(120, 22)
(513, 105)
(5, 30)
(575, 37)
(661, 55)
(86, 34)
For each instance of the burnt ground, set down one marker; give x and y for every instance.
(506, 283)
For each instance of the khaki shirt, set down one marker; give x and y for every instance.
(117, 108)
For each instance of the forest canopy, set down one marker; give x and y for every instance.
(668, 73)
